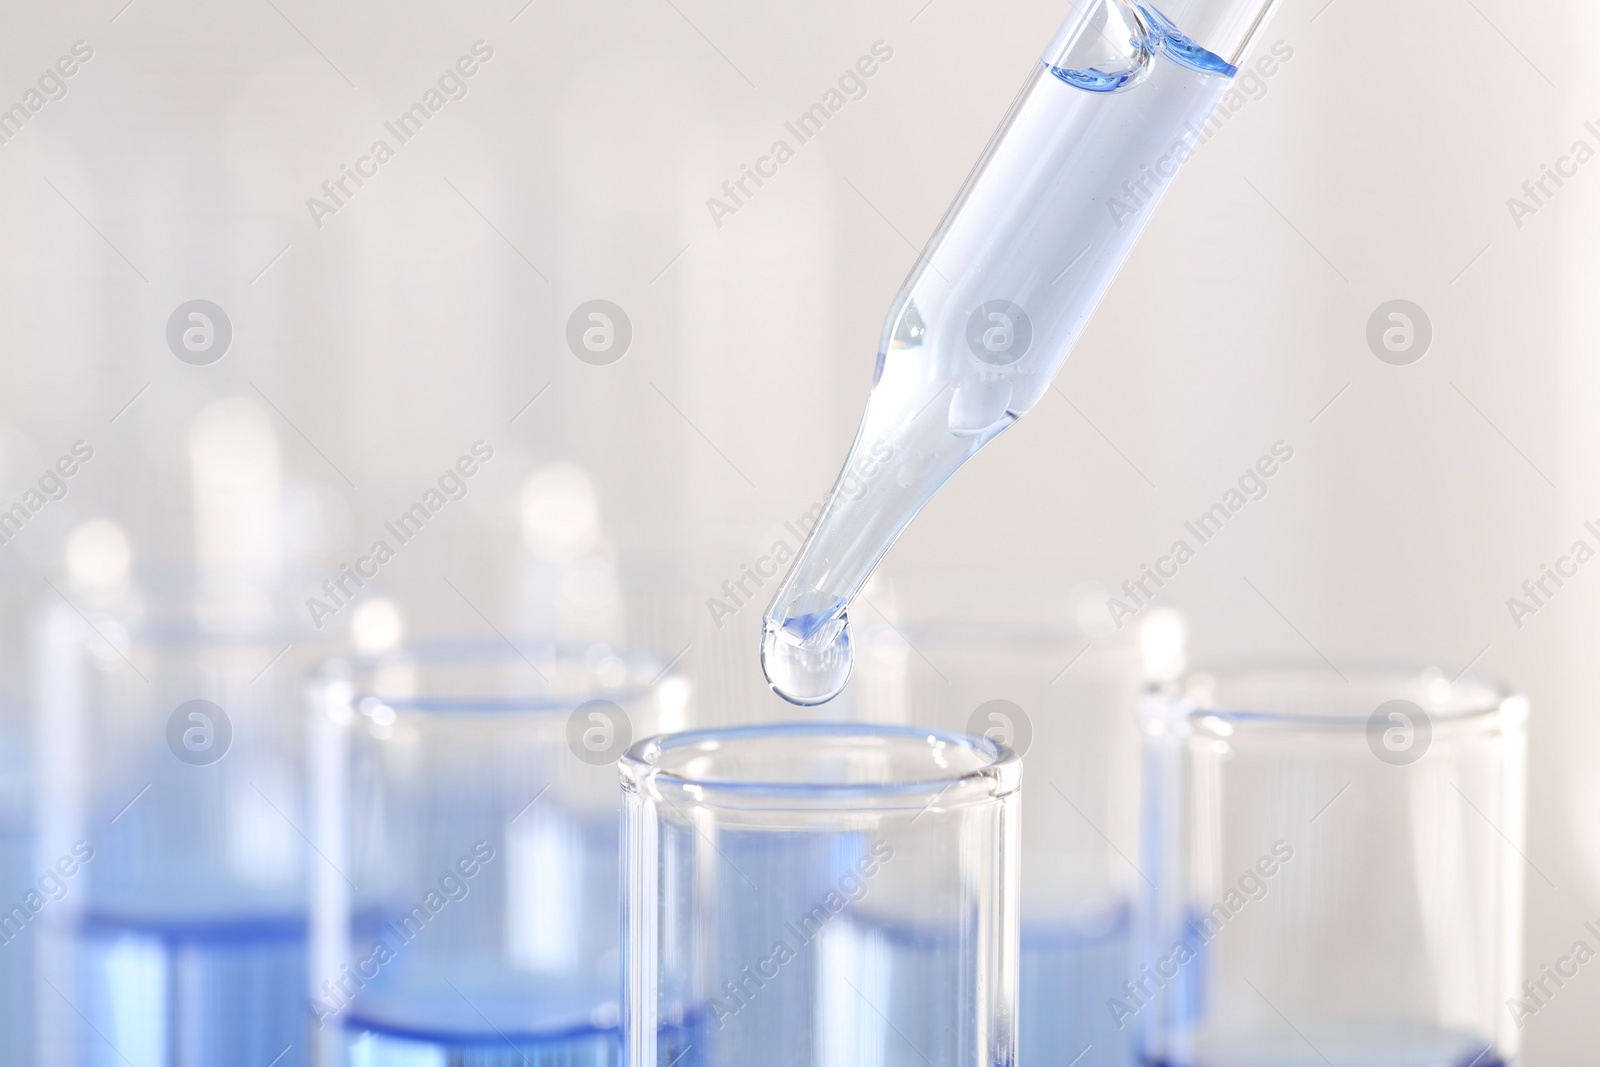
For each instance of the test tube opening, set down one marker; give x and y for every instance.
(847, 764)
(783, 878)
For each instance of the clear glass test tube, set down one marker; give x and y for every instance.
(467, 818)
(1068, 705)
(821, 894)
(172, 920)
(1338, 856)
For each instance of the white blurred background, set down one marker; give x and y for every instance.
(430, 309)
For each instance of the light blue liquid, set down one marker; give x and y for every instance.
(16, 950)
(1312, 1042)
(182, 995)
(451, 995)
(155, 958)
(1035, 238)
(462, 1019)
(891, 999)
(899, 997)
(751, 1009)
(1068, 972)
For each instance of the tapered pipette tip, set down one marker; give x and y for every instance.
(808, 671)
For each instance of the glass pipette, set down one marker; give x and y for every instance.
(1002, 291)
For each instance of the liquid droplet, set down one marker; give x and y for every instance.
(808, 672)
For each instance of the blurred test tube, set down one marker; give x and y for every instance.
(171, 784)
(466, 822)
(1065, 696)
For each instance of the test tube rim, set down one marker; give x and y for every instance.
(999, 776)
(438, 650)
(1498, 698)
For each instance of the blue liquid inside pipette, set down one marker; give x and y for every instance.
(806, 625)
(1182, 50)
(1164, 37)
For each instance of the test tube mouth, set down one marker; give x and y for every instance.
(1318, 695)
(823, 766)
(469, 676)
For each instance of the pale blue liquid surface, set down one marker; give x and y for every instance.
(774, 883)
(16, 955)
(421, 1049)
(1068, 972)
(896, 1000)
(1312, 1041)
(901, 1004)
(17, 877)
(451, 997)
(175, 995)
(454, 1024)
